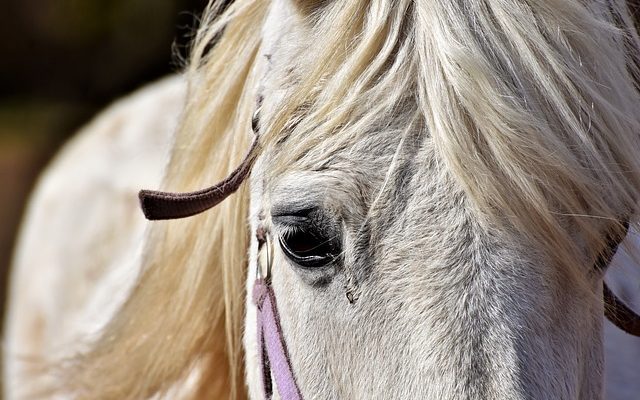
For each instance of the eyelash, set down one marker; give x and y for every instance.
(313, 250)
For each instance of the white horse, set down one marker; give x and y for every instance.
(432, 186)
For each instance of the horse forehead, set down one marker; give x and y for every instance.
(372, 171)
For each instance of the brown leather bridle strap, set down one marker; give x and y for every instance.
(163, 205)
(619, 313)
(615, 309)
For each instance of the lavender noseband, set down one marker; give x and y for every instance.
(274, 356)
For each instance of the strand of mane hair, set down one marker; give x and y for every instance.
(184, 317)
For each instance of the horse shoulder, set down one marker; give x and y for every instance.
(78, 252)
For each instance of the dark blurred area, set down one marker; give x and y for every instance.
(61, 61)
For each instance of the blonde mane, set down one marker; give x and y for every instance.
(532, 106)
(189, 297)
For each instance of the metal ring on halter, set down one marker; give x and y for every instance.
(266, 239)
(267, 278)
(258, 268)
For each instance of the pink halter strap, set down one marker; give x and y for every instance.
(273, 353)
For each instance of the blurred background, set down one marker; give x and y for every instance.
(61, 61)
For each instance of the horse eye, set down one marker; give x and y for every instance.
(309, 249)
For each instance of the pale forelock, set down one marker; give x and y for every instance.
(530, 105)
